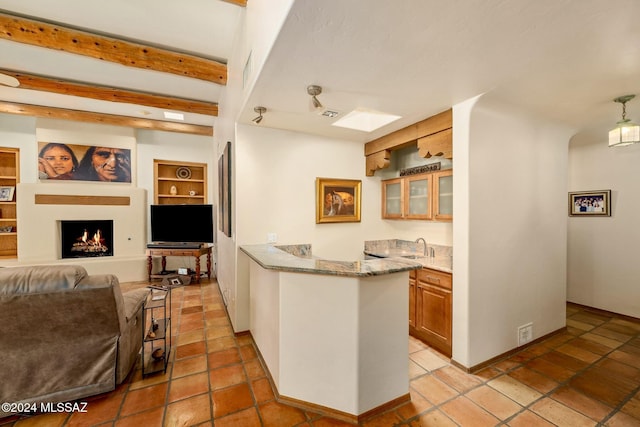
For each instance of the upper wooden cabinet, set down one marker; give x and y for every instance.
(179, 183)
(432, 137)
(9, 178)
(425, 196)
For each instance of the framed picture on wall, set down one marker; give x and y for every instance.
(590, 203)
(72, 162)
(337, 200)
(224, 190)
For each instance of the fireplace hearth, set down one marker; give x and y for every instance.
(86, 238)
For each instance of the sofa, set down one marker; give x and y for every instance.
(65, 334)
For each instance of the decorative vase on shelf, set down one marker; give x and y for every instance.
(173, 190)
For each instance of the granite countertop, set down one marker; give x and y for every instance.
(403, 249)
(442, 263)
(298, 259)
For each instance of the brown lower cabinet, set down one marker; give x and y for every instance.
(430, 308)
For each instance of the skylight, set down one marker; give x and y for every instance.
(365, 120)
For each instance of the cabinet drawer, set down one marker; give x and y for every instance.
(434, 277)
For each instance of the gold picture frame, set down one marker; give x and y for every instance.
(338, 200)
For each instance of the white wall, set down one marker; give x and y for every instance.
(259, 27)
(461, 210)
(603, 269)
(515, 245)
(276, 190)
(19, 132)
(176, 147)
(276, 193)
(264, 19)
(231, 101)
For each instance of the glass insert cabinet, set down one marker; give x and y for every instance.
(427, 196)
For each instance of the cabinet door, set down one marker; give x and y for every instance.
(418, 197)
(392, 193)
(412, 299)
(443, 195)
(433, 317)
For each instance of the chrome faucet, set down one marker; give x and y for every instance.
(424, 245)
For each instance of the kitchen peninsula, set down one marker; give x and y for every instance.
(333, 334)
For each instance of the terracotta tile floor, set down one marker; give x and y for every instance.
(587, 376)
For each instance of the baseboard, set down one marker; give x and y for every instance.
(603, 312)
(339, 415)
(486, 363)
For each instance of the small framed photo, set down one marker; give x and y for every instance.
(6, 194)
(337, 200)
(590, 203)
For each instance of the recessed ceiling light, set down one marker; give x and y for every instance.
(173, 116)
(365, 120)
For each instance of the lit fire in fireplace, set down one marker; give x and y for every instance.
(86, 245)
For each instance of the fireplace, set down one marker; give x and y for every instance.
(86, 238)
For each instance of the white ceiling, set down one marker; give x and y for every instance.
(564, 59)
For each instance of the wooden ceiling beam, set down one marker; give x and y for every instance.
(105, 119)
(110, 49)
(47, 84)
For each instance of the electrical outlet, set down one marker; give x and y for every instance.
(272, 237)
(525, 334)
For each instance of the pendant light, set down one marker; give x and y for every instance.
(626, 132)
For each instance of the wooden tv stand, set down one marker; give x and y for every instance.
(165, 252)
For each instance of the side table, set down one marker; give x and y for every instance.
(165, 252)
(156, 330)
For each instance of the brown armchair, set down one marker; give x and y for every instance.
(64, 334)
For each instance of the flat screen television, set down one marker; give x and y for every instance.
(182, 223)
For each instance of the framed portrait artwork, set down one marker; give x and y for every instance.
(73, 162)
(338, 200)
(590, 203)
